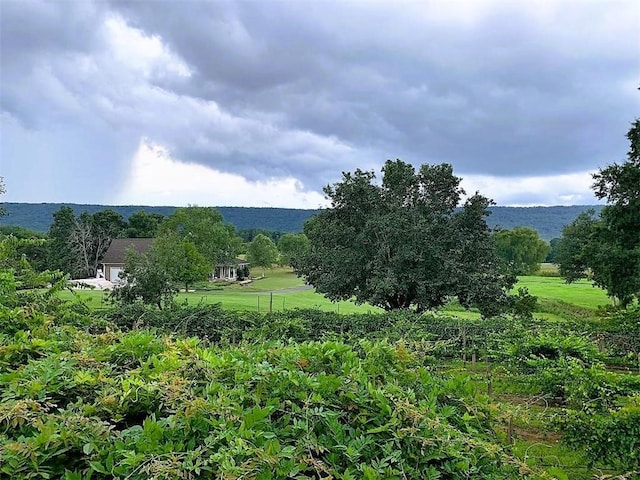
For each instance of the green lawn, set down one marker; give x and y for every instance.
(275, 279)
(257, 295)
(580, 293)
(234, 299)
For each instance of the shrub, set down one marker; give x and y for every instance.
(614, 436)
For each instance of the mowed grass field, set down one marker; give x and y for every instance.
(281, 289)
(581, 293)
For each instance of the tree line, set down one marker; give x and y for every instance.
(186, 247)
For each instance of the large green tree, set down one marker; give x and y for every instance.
(521, 250)
(180, 258)
(12, 257)
(575, 246)
(608, 247)
(262, 252)
(553, 248)
(204, 228)
(145, 279)
(60, 253)
(402, 243)
(292, 247)
(143, 225)
(76, 245)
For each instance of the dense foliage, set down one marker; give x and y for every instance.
(77, 244)
(248, 234)
(142, 405)
(20, 232)
(142, 224)
(297, 394)
(176, 257)
(262, 252)
(292, 248)
(402, 244)
(574, 247)
(204, 228)
(195, 391)
(146, 280)
(608, 247)
(521, 250)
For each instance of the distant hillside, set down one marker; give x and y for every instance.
(38, 216)
(548, 221)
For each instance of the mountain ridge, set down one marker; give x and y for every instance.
(547, 221)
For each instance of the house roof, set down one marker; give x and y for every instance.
(117, 251)
(236, 262)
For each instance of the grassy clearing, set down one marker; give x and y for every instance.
(581, 293)
(275, 279)
(264, 302)
(234, 299)
(256, 296)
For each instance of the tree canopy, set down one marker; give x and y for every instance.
(180, 259)
(292, 247)
(521, 250)
(402, 243)
(145, 279)
(143, 225)
(205, 229)
(60, 253)
(608, 246)
(262, 252)
(76, 245)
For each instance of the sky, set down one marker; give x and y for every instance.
(263, 103)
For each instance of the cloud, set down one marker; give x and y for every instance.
(157, 179)
(567, 189)
(299, 91)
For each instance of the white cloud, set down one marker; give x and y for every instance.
(568, 189)
(157, 179)
(144, 54)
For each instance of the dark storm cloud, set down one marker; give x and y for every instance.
(53, 144)
(514, 91)
(308, 89)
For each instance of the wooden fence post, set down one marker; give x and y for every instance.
(464, 344)
(510, 436)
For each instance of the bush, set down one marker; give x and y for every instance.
(614, 436)
(141, 406)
